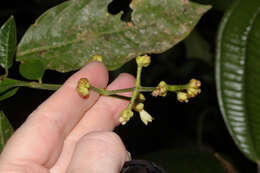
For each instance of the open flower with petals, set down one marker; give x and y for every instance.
(145, 117)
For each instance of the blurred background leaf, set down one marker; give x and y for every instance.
(6, 130)
(238, 75)
(185, 160)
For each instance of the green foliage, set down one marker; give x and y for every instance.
(6, 88)
(65, 37)
(6, 130)
(217, 4)
(34, 66)
(7, 43)
(8, 93)
(238, 75)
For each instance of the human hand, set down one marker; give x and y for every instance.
(69, 134)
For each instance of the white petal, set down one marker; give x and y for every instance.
(145, 117)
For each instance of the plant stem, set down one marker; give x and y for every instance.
(36, 85)
(135, 90)
(175, 88)
(137, 87)
(258, 167)
(111, 92)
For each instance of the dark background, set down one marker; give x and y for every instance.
(195, 126)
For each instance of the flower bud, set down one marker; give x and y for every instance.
(125, 116)
(161, 89)
(194, 83)
(182, 97)
(139, 107)
(143, 61)
(97, 58)
(193, 92)
(140, 98)
(83, 87)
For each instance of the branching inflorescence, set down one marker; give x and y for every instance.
(184, 92)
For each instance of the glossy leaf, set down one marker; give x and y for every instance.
(7, 43)
(185, 161)
(6, 130)
(6, 84)
(238, 75)
(8, 87)
(34, 66)
(8, 93)
(65, 37)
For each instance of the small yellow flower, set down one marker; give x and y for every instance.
(83, 87)
(182, 97)
(143, 61)
(194, 83)
(145, 117)
(192, 92)
(161, 90)
(125, 116)
(96, 58)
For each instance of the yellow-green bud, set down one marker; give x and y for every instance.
(83, 87)
(97, 58)
(125, 116)
(161, 89)
(143, 61)
(139, 107)
(140, 98)
(182, 97)
(194, 83)
(192, 92)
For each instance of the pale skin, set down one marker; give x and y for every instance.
(70, 134)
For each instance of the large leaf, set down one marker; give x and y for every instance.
(7, 43)
(6, 130)
(65, 37)
(238, 75)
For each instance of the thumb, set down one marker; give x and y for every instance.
(98, 152)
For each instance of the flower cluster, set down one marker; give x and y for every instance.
(138, 105)
(161, 89)
(193, 89)
(184, 92)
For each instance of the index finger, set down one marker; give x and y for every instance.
(41, 137)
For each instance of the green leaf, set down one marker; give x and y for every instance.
(185, 161)
(7, 83)
(238, 75)
(7, 43)
(65, 37)
(8, 87)
(8, 93)
(222, 5)
(34, 66)
(6, 130)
